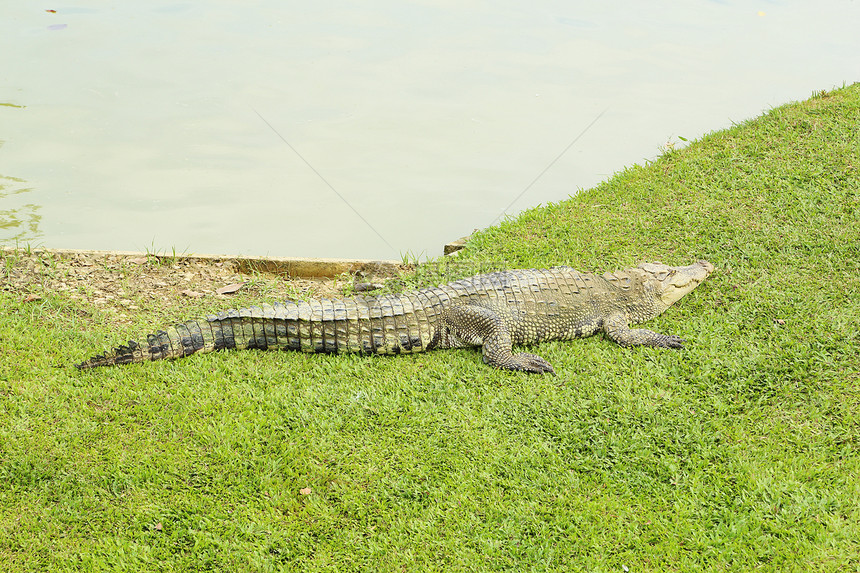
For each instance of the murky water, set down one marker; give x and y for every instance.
(400, 125)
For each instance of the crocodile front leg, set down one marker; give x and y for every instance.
(475, 325)
(617, 328)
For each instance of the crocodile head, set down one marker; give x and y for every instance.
(672, 283)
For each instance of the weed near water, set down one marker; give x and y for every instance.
(737, 453)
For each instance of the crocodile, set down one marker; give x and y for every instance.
(493, 311)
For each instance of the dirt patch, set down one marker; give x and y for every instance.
(120, 284)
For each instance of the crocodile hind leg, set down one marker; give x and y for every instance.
(475, 325)
(617, 328)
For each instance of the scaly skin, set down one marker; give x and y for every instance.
(494, 311)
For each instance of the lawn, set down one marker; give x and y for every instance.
(739, 452)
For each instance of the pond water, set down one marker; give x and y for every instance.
(370, 130)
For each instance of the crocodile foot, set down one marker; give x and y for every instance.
(671, 341)
(525, 362)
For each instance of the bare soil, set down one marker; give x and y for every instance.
(121, 284)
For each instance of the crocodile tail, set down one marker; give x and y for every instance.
(173, 342)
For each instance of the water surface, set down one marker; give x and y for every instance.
(143, 125)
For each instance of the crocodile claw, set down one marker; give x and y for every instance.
(531, 363)
(671, 341)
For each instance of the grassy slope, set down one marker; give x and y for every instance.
(739, 452)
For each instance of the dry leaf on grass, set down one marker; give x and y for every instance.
(229, 289)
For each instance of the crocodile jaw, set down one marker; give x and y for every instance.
(672, 283)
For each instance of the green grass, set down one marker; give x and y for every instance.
(738, 453)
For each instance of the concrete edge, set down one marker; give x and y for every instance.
(291, 266)
(455, 246)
